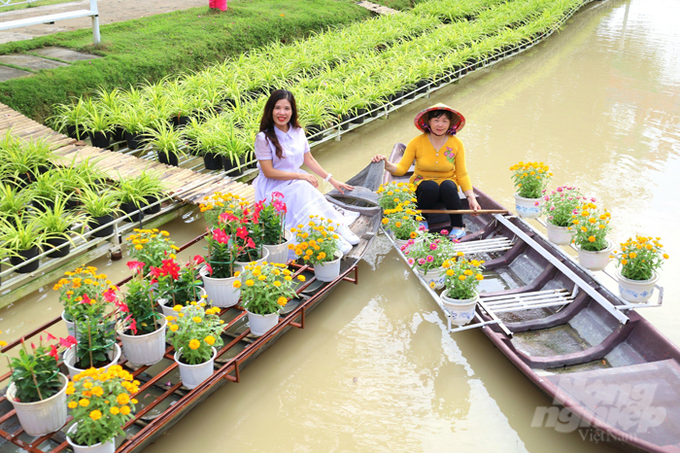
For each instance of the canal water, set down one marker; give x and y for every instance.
(374, 369)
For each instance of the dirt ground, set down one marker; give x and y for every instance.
(109, 11)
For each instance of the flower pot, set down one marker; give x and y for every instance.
(152, 207)
(460, 311)
(238, 164)
(433, 275)
(102, 447)
(70, 360)
(96, 222)
(636, 291)
(559, 235)
(167, 307)
(128, 209)
(100, 140)
(239, 265)
(70, 326)
(134, 141)
(528, 208)
(75, 132)
(146, 349)
(261, 324)
(193, 375)
(25, 255)
(61, 247)
(220, 291)
(118, 135)
(168, 158)
(328, 271)
(212, 161)
(279, 253)
(595, 261)
(41, 417)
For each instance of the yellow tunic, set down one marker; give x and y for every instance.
(433, 165)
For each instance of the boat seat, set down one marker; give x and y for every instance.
(642, 400)
(497, 244)
(527, 301)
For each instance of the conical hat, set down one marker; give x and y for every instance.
(457, 121)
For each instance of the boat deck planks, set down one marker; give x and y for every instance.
(116, 165)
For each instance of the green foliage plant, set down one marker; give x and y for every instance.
(99, 203)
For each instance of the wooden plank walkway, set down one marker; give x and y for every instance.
(183, 184)
(377, 9)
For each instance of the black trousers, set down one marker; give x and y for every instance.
(429, 193)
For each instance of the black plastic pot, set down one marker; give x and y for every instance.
(100, 140)
(179, 121)
(62, 247)
(134, 141)
(72, 203)
(71, 132)
(360, 116)
(130, 208)
(344, 119)
(313, 129)
(398, 98)
(374, 109)
(96, 222)
(25, 255)
(228, 165)
(168, 159)
(149, 209)
(42, 205)
(118, 135)
(212, 161)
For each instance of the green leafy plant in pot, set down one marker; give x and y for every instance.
(13, 202)
(136, 192)
(167, 141)
(70, 118)
(56, 222)
(22, 239)
(102, 206)
(98, 124)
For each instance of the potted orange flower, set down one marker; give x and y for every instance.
(638, 261)
(590, 225)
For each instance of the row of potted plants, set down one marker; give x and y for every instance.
(329, 94)
(43, 206)
(572, 218)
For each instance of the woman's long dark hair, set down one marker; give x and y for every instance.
(267, 121)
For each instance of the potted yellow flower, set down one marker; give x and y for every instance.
(265, 288)
(195, 333)
(318, 245)
(150, 247)
(402, 222)
(590, 225)
(530, 179)
(101, 403)
(461, 280)
(638, 261)
(394, 193)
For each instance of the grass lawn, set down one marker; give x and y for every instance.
(154, 47)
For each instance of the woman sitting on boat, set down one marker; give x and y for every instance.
(281, 148)
(440, 163)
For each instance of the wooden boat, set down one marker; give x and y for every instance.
(603, 364)
(163, 401)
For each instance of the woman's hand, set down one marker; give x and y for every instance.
(378, 158)
(340, 186)
(309, 178)
(472, 201)
(389, 166)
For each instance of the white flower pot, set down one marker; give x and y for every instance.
(279, 253)
(221, 292)
(400, 242)
(105, 447)
(193, 375)
(167, 307)
(636, 291)
(261, 324)
(527, 208)
(328, 271)
(460, 311)
(70, 327)
(145, 349)
(438, 276)
(41, 417)
(595, 261)
(239, 265)
(70, 360)
(559, 235)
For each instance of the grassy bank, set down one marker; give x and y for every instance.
(154, 47)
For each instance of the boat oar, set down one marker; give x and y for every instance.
(463, 211)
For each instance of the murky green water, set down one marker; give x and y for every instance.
(374, 369)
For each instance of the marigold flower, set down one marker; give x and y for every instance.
(125, 410)
(72, 405)
(250, 282)
(95, 415)
(210, 340)
(194, 344)
(173, 327)
(282, 301)
(114, 410)
(84, 402)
